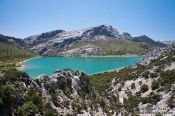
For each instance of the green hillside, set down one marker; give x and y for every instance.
(114, 47)
(12, 53)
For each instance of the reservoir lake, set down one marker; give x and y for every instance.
(90, 64)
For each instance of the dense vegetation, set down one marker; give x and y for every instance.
(10, 54)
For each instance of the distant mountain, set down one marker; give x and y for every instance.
(11, 40)
(13, 48)
(95, 40)
(169, 42)
(104, 37)
(147, 42)
(126, 35)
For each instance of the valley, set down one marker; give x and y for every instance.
(141, 88)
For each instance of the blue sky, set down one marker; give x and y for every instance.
(22, 18)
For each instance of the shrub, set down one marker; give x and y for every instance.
(119, 88)
(144, 88)
(65, 103)
(171, 102)
(167, 77)
(131, 103)
(155, 85)
(155, 98)
(50, 112)
(27, 109)
(69, 81)
(133, 86)
(146, 74)
(153, 75)
(145, 100)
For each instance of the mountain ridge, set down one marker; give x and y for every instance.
(104, 37)
(63, 41)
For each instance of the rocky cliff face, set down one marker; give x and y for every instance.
(41, 37)
(100, 32)
(59, 41)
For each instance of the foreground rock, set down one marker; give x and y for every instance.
(64, 93)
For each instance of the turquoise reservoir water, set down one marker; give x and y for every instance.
(90, 65)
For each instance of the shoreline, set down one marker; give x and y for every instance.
(21, 66)
(108, 71)
(114, 56)
(129, 55)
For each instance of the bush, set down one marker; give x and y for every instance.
(167, 77)
(153, 75)
(155, 85)
(6, 95)
(171, 102)
(146, 74)
(131, 103)
(69, 81)
(144, 88)
(27, 109)
(50, 112)
(155, 98)
(65, 103)
(133, 86)
(145, 100)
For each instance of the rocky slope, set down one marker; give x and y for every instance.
(63, 93)
(55, 42)
(144, 89)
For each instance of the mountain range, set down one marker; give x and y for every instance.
(95, 40)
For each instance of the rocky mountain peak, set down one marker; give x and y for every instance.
(101, 30)
(45, 35)
(126, 35)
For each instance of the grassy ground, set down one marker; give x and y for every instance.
(114, 47)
